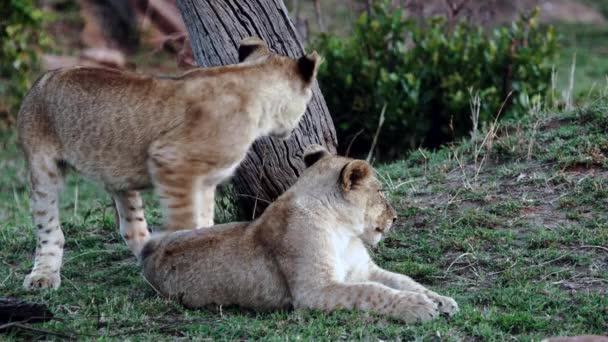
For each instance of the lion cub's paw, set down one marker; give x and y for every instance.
(446, 305)
(418, 308)
(39, 280)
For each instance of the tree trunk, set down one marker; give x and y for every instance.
(319, 15)
(109, 24)
(272, 165)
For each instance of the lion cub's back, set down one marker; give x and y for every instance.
(76, 111)
(221, 265)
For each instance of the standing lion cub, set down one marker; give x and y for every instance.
(127, 131)
(307, 251)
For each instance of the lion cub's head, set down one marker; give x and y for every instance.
(292, 88)
(352, 192)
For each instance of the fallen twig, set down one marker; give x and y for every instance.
(605, 249)
(455, 260)
(22, 325)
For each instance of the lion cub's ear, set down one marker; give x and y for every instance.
(355, 173)
(252, 47)
(314, 153)
(308, 65)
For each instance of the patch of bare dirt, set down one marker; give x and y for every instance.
(584, 285)
(540, 202)
(537, 192)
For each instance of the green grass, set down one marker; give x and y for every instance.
(591, 68)
(521, 247)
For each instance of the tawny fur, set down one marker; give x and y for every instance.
(127, 131)
(306, 251)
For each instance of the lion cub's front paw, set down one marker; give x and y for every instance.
(446, 305)
(39, 280)
(417, 308)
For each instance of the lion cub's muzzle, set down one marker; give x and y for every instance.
(387, 226)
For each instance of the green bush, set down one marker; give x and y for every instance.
(21, 37)
(425, 73)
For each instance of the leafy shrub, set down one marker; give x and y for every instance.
(425, 74)
(21, 36)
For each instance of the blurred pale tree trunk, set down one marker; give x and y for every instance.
(109, 24)
(319, 15)
(215, 28)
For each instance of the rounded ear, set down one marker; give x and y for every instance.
(314, 153)
(355, 173)
(252, 47)
(308, 65)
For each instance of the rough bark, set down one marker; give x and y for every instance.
(215, 28)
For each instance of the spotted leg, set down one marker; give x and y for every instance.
(133, 226)
(175, 183)
(46, 180)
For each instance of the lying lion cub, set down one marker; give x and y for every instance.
(307, 251)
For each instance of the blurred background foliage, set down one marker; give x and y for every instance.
(426, 73)
(423, 61)
(22, 39)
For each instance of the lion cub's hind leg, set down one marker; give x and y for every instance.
(46, 180)
(205, 205)
(133, 226)
(177, 185)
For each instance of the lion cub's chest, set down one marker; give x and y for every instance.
(351, 257)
